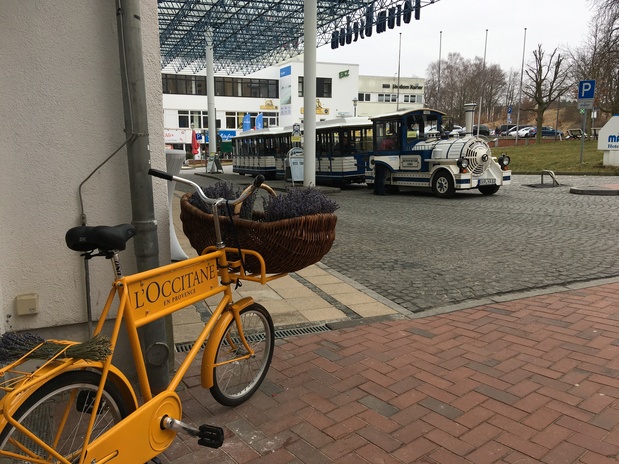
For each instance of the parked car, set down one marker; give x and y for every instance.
(457, 131)
(512, 132)
(483, 130)
(527, 132)
(504, 129)
(551, 132)
(523, 132)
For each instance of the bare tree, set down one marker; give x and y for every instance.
(494, 84)
(605, 60)
(598, 57)
(547, 81)
(464, 81)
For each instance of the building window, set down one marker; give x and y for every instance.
(323, 87)
(387, 97)
(181, 85)
(195, 119)
(200, 85)
(183, 119)
(364, 97)
(224, 86)
(231, 120)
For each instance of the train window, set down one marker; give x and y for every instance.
(387, 135)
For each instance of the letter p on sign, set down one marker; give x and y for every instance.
(586, 89)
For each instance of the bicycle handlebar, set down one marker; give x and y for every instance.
(160, 174)
(212, 201)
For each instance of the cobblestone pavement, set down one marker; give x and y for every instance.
(422, 252)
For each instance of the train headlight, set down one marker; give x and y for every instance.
(504, 161)
(463, 164)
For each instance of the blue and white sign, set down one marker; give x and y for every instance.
(225, 134)
(509, 115)
(586, 89)
(586, 94)
(608, 138)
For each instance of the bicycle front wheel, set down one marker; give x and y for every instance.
(236, 377)
(58, 413)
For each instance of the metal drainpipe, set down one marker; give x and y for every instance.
(146, 245)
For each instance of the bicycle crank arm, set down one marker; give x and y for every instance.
(209, 435)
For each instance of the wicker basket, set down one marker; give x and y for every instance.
(287, 245)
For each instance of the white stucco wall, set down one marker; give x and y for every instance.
(344, 90)
(61, 111)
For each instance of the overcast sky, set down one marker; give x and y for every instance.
(552, 23)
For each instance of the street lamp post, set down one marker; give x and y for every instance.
(354, 105)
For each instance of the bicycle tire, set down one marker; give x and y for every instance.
(50, 401)
(236, 382)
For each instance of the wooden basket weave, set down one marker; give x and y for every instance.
(287, 245)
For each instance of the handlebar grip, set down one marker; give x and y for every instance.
(161, 174)
(258, 181)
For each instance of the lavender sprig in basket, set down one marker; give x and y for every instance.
(294, 230)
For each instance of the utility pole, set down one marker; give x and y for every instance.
(397, 103)
(146, 244)
(524, 46)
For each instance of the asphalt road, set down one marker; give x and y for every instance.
(422, 252)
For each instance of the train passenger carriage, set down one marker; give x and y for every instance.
(260, 151)
(410, 150)
(342, 147)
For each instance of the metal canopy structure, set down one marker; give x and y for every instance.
(251, 35)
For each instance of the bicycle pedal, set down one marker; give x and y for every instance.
(211, 436)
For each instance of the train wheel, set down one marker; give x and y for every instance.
(443, 185)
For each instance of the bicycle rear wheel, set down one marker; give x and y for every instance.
(59, 412)
(235, 381)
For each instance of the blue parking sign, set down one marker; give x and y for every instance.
(586, 89)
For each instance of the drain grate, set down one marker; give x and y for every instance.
(312, 329)
(280, 333)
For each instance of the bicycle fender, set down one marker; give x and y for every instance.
(119, 379)
(210, 351)
(46, 374)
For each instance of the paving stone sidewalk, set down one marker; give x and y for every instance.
(534, 380)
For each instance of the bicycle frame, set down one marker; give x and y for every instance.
(143, 298)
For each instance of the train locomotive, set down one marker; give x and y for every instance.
(412, 150)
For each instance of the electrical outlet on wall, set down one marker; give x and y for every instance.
(27, 304)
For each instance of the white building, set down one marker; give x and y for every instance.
(277, 93)
(381, 94)
(61, 107)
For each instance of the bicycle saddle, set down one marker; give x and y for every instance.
(104, 238)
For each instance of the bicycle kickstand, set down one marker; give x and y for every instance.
(209, 435)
